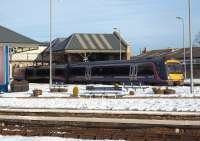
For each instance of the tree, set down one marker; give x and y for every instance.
(197, 40)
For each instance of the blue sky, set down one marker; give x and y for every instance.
(143, 23)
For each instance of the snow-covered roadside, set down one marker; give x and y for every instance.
(159, 104)
(196, 81)
(20, 138)
(151, 102)
(146, 91)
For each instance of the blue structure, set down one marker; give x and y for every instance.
(4, 69)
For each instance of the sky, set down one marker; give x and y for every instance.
(143, 23)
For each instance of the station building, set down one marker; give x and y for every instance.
(177, 53)
(82, 47)
(11, 43)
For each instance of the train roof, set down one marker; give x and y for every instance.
(119, 61)
(43, 67)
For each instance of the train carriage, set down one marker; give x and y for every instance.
(152, 71)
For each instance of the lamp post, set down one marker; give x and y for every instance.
(190, 42)
(50, 44)
(120, 47)
(184, 54)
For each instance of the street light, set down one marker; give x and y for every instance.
(120, 48)
(183, 26)
(190, 42)
(50, 45)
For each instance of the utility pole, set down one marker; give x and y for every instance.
(191, 53)
(183, 40)
(50, 44)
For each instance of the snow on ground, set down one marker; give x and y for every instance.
(143, 91)
(20, 138)
(151, 103)
(196, 81)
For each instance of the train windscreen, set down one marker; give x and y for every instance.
(174, 68)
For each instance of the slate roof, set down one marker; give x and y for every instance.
(176, 53)
(9, 36)
(87, 41)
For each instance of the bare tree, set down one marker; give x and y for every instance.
(197, 40)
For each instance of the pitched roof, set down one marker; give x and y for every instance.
(177, 53)
(92, 42)
(9, 36)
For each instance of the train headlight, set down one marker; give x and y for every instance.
(169, 77)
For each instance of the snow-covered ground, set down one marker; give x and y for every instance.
(183, 101)
(161, 104)
(196, 81)
(144, 91)
(20, 138)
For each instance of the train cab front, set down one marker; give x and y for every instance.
(175, 73)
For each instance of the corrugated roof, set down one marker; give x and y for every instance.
(9, 36)
(86, 41)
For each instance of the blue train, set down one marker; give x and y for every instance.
(152, 71)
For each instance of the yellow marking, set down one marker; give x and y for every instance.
(172, 61)
(176, 77)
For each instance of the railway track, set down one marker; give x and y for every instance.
(136, 126)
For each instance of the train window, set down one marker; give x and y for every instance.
(30, 72)
(102, 71)
(121, 70)
(111, 71)
(60, 72)
(42, 72)
(97, 71)
(145, 70)
(78, 71)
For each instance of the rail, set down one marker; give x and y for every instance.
(144, 126)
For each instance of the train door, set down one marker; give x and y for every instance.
(145, 73)
(88, 73)
(133, 73)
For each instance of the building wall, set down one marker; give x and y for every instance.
(26, 58)
(1, 65)
(129, 53)
(76, 57)
(4, 71)
(196, 71)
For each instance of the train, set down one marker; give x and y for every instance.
(149, 71)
